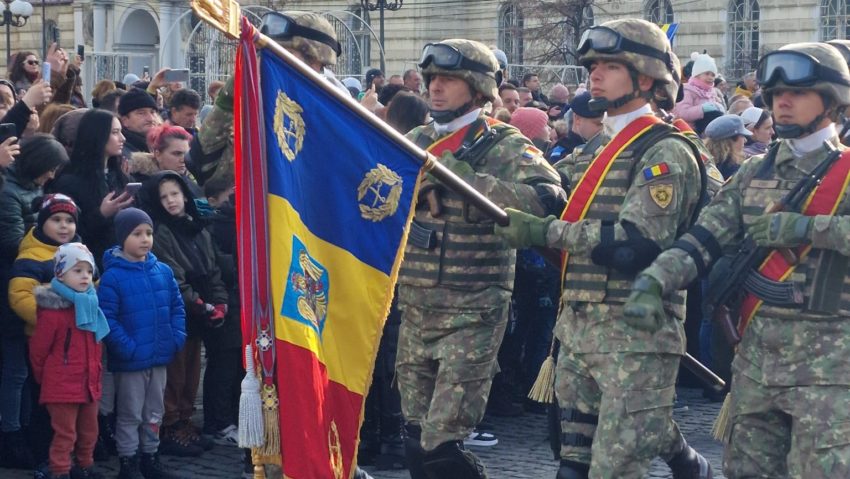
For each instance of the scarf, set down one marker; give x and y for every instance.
(88, 315)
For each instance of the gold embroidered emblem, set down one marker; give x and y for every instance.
(335, 451)
(714, 173)
(379, 193)
(288, 126)
(662, 195)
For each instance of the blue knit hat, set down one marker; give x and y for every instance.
(127, 220)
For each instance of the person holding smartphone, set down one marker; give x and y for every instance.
(94, 179)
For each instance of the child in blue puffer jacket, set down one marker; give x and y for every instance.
(142, 303)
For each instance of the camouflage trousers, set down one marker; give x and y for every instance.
(621, 404)
(445, 365)
(788, 431)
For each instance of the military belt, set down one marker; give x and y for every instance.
(576, 440)
(574, 415)
(422, 237)
(773, 293)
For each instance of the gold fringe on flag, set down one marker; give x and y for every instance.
(543, 389)
(271, 422)
(722, 425)
(260, 461)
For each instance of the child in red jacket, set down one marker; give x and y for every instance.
(65, 352)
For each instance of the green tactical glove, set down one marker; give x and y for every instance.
(458, 167)
(644, 309)
(524, 230)
(779, 230)
(224, 99)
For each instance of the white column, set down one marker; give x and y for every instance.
(99, 33)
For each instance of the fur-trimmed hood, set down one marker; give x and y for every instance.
(46, 298)
(143, 163)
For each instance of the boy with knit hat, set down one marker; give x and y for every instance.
(142, 303)
(65, 356)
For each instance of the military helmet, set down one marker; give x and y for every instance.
(806, 66)
(466, 59)
(668, 94)
(635, 42)
(306, 32)
(843, 47)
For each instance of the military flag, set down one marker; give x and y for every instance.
(338, 200)
(670, 29)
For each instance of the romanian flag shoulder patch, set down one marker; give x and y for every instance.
(530, 152)
(657, 171)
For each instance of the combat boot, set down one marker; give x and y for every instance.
(153, 469)
(572, 470)
(413, 452)
(129, 467)
(450, 459)
(689, 464)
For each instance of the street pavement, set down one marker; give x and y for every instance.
(523, 451)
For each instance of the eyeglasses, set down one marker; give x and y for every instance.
(281, 27)
(606, 40)
(32, 62)
(450, 58)
(795, 69)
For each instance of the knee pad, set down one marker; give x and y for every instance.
(573, 470)
(451, 460)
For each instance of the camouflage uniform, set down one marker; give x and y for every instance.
(454, 297)
(791, 374)
(216, 134)
(615, 382)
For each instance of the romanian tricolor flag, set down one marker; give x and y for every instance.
(339, 203)
(670, 29)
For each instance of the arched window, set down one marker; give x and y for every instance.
(743, 37)
(511, 25)
(659, 11)
(834, 20)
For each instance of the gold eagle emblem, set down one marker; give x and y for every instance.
(379, 193)
(288, 126)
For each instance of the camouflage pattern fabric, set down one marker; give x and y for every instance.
(311, 49)
(793, 365)
(451, 332)
(217, 133)
(484, 83)
(788, 431)
(446, 362)
(632, 394)
(644, 33)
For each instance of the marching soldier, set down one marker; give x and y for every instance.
(456, 280)
(791, 374)
(615, 377)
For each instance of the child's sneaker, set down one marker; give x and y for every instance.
(481, 439)
(153, 469)
(129, 467)
(228, 436)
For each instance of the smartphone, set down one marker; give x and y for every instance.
(146, 70)
(45, 72)
(132, 188)
(7, 130)
(179, 75)
(81, 51)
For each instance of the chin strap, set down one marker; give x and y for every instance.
(597, 104)
(446, 116)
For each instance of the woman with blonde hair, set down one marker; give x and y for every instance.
(725, 137)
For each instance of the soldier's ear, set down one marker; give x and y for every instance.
(645, 82)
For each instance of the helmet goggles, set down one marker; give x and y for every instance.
(607, 40)
(278, 26)
(795, 69)
(448, 57)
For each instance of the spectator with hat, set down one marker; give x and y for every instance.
(724, 138)
(138, 113)
(374, 79)
(700, 97)
(534, 124)
(760, 123)
(586, 125)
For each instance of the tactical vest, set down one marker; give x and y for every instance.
(468, 255)
(586, 281)
(822, 276)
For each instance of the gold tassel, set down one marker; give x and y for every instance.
(543, 389)
(271, 423)
(721, 429)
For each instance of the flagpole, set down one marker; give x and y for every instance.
(223, 15)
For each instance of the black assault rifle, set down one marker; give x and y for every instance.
(731, 274)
